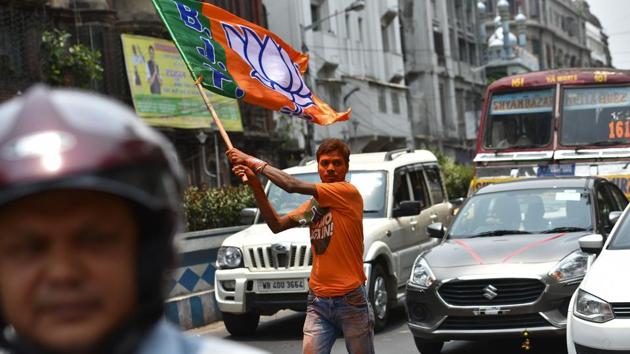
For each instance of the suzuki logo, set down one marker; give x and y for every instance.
(490, 292)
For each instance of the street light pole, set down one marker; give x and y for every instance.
(356, 5)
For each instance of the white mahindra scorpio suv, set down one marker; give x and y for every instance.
(259, 272)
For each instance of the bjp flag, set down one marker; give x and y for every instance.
(242, 60)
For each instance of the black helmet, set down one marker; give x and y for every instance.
(53, 139)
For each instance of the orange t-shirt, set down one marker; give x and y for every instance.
(336, 227)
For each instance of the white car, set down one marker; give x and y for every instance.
(260, 273)
(599, 316)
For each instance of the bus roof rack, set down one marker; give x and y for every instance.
(390, 154)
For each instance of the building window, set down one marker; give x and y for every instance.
(514, 5)
(348, 26)
(460, 97)
(472, 54)
(334, 94)
(443, 109)
(536, 50)
(382, 101)
(395, 103)
(462, 50)
(439, 47)
(534, 9)
(315, 15)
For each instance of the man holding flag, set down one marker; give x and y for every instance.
(337, 300)
(232, 57)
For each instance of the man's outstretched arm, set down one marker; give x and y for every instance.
(277, 176)
(275, 222)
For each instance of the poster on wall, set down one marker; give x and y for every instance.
(163, 92)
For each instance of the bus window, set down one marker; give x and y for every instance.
(519, 119)
(595, 116)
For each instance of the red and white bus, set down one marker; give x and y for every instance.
(570, 122)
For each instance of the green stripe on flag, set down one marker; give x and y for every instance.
(192, 35)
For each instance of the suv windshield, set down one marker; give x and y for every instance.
(523, 212)
(371, 185)
(519, 119)
(596, 116)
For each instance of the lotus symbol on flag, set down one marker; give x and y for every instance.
(271, 66)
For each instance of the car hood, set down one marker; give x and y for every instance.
(502, 252)
(260, 234)
(606, 277)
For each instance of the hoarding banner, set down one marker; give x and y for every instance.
(164, 93)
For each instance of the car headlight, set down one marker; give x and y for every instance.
(229, 257)
(591, 308)
(421, 274)
(571, 267)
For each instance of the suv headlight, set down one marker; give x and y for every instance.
(229, 257)
(571, 267)
(591, 308)
(421, 274)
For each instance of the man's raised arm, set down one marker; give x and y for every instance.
(277, 176)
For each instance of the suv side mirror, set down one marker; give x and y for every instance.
(247, 216)
(613, 216)
(436, 230)
(592, 243)
(407, 208)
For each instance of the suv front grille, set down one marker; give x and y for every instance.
(505, 291)
(621, 309)
(265, 258)
(494, 322)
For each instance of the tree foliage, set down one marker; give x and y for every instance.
(208, 208)
(67, 64)
(457, 177)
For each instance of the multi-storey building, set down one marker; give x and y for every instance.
(443, 71)
(556, 31)
(596, 39)
(356, 61)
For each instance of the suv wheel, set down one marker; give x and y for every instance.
(425, 347)
(241, 324)
(379, 297)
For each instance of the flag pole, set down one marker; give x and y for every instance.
(215, 118)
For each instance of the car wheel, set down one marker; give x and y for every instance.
(379, 297)
(241, 324)
(425, 347)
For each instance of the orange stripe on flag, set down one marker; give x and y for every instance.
(269, 73)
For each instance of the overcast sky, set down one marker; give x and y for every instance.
(615, 18)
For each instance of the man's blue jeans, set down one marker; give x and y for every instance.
(326, 318)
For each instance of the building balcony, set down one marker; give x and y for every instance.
(326, 47)
(394, 67)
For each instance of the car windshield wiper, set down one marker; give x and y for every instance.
(500, 233)
(564, 229)
(370, 211)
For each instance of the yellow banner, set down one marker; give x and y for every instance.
(164, 93)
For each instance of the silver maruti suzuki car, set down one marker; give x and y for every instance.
(510, 262)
